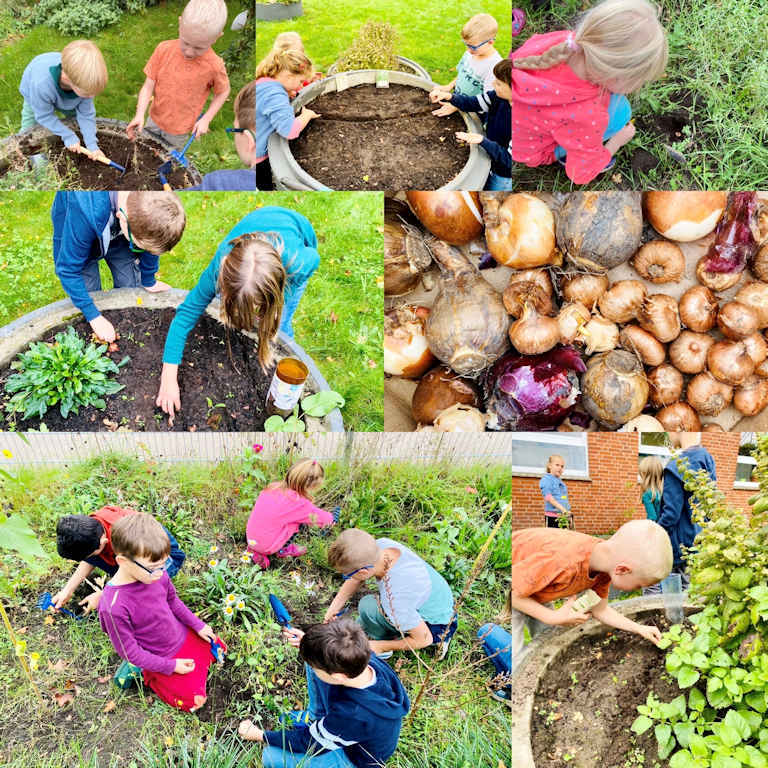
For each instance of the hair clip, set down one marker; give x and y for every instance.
(572, 44)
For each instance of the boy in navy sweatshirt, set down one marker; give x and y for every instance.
(356, 704)
(126, 229)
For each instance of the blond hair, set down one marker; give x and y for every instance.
(208, 15)
(622, 41)
(245, 106)
(251, 283)
(157, 219)
(480, 25)
(288, 41)
(646, 545)
(353, 549)
(302, 476)
(140, 535)
(652, 475)
(554, 456)
(505, 614)
(83, 64)
(291, 61)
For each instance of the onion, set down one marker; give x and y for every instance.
(659, 262)
(752, 396)
(518, 294)
(729, 362)
(642, 424)
(584, 287)
(534, 334)
(645, 345)
(452, 216)
(707, 395)
(755, 295)
(717, 281)
(599, 335)
(736, 320)
(570, 321)
(658, 315)
(406, 352)
(460, 418)
(440, 389)
(666, 385)
(688, 352)
(684, 216)
(711, 427)
(757, 349)
(698, 309)
(622, 301)
(615, 388)
(759, 263)
(679, 417)
(735, 242)
(406, 255)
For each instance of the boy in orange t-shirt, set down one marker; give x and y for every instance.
(180, 75)
(549, 563)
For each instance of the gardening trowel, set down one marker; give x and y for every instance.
(179, 156)
(162, 174)
(104, 160)
(282, 617)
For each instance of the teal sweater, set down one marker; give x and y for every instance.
(652, 504)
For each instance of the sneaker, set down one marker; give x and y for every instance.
(442, 649)
(503, 694)
(127, 674)
(299, 718)
(261, 560)
(291, 550)
(384, 655)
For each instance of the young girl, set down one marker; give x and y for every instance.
(269, 252)
(149, 626)
(291, 41)
(281, 508)
(497, 644)
(278, 75)
(652, 483)
(562, 86)
(556, 504)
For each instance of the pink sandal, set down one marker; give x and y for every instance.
(291, 551)
(261, 560)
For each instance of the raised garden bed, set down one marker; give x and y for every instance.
(405, 65)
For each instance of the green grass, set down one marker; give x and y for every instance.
(126, 48)
(457, 725)
(339, 320)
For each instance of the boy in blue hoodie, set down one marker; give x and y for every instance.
(126, 229)
(356, 704)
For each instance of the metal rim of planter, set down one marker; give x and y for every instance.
(17, 335)
(418, 70)
(290, 175)
(278, 11)
(543, 651)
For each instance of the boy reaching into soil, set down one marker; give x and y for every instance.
(149, 626)
(549, 564)
(66, 82)
(180, 75)
(127, 229)
(281, 508)
(415, 606)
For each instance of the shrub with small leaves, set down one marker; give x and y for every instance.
(84, 17)
(68, 373)
(373, 48)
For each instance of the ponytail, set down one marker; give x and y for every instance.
(293, 61)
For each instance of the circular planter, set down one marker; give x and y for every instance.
(278, 11)
(17, 335)
(288, 174)
(546, 649)
(409, 66)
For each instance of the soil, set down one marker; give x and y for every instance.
(206, 372)
(587, 701)
(380, 138)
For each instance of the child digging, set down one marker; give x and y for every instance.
(149, 626)
(549, 564)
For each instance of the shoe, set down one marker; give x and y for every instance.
(442, 649)
(608, 167)
(261, 560)
(384, 655)
(291, 550)
(127, 674)
(299, 718)
(503, 694)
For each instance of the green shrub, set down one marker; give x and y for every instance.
(373, 48)
(85, 17)
(240, 55)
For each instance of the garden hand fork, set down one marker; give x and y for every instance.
(179, 156)
(106, 161)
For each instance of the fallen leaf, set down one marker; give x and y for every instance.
(169, 741)
(62, 699)
(104, 679)
(110, 706)
(21, 630)
(49, 620)
(616, 178)
(59, 666)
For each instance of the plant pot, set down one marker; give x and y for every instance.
(278, 11)
(411, 67)
(288, 174)
(16, 336)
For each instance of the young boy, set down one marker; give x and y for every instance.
(549, 563)
(496, 108)
(415, 604)
(181, 73)
(126, 229)
(88, 539)
(67, 82)
(356, 704)
(475, 68)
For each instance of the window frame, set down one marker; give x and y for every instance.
(577, 439)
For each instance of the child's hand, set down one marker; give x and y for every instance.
(565, 616)
(91, 602)
(470, 138)
(184, 666)
(74, 147)
(158, 287)
(650, 633)
(307, 114)
(248, 731)
(439, 94)
(169, 398)
(207, 633)
(137, 124)
(201, 127)
(103, 328)
(62, 597)
(292, 636)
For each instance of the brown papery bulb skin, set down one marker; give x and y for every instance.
(757, 349)
(621, 302)
(684, 216)
(658, 315)
(729, 362)
(688, 352)
(717, 281)
(736, 320)
(406, 352)
(762, 369)
(440, 389)
(534, 334)
(584, 287)
(539, 276)
(571, 319)
(698, 309)
(708, 396)
(759, 265)
(752, 396)
(645, 345)
(454, 217)
(666, 385)
(659, 262)
(679, 417)
(517, 295)
(406, 254)
(755, 295)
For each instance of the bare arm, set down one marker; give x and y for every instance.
(418, 637)
(82, 572)
(145, 96)
(611, 618)
(565, 615)
(555, 503)
(342, 596)
(201, 126)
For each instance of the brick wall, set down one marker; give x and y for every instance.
(724, 447)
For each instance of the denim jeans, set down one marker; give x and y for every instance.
(122, 263)
(497, 643)
(619, 114)
(494, 181)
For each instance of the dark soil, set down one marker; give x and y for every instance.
(385, 134)
(206, 372)
(587, 701)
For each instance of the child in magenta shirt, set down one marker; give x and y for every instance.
(281, 508)
(567, 87)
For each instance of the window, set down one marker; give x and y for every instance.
(745, 464)
(530, 453)
(654, 444)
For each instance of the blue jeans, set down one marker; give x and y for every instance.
(122, 263)
(496, 640)
(619, 114)
(299, 268)
(494, 181)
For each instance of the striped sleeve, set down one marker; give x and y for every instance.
(322, 735)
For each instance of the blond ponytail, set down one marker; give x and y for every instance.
(277, 61)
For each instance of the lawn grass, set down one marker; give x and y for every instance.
(339, 320)
(126, 47)
(427, 507)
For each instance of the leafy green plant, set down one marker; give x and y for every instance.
(322, 403)
(253, 476)
(84, 17)
(239, 56)
(372, 48)
(292, 424)
(67, 373)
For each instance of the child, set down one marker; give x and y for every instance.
(415, 605)
(291, 41)
(475, 68)
(495, 105)
(497, 644)
(126, 229)
(88, 538)
(68, 82)
(562, 84)
(278, 75)
(269, 251)
(281, 508)
(180, 75)
(556, 504)
(552, 564)
(149, 626)
(651, 483)
(356, 704)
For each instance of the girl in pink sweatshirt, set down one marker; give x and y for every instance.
(281, 508)
(567, 87)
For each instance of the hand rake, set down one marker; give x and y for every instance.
(44, 602)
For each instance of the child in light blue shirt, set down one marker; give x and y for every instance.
(555, 493)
